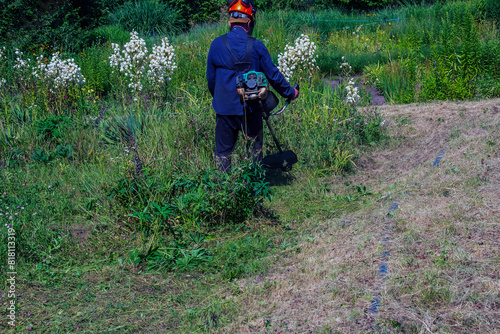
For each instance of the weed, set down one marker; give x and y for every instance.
(363, 191)
(190, 202)
(403, 121)
(40, 156)
(53, 128)
(455, 134)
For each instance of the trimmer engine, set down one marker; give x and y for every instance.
(251, 86)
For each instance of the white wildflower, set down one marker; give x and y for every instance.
(19, 62)
(301, 57)
(58, 73)
(131, 61)
(352, 91)
(162, 63)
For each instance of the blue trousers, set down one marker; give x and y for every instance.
(227, 129)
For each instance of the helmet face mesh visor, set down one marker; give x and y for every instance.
(242, 6)
(238, 15)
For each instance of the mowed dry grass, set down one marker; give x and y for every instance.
(444, 246)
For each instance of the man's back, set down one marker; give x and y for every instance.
(221, 72)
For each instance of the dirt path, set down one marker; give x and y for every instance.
(377, 99)
(443, 247)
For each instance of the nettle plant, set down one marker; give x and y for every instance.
(300, 58)
(131, 63)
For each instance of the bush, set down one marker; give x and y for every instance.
(54, 127)
(109, 33)
(197, 11)
(487, 86)
(210, 197)
(493, 10)
(61, 23)
(96, 71)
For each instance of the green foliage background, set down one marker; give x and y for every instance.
(59, 23)
(146, 17)
(68, 24)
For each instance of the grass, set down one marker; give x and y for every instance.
(307, 262)
(97, 286)
(443, 252)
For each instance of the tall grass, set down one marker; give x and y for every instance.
(147, 17)
(112, 157)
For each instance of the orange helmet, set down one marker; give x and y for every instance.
(241, 8)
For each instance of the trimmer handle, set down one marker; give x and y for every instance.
(296, 86)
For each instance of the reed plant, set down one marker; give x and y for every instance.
(147, 17)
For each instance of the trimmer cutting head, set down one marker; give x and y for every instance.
(283, 160)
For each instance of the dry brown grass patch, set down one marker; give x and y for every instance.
(444, 248)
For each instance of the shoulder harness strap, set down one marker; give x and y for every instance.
(248, 54)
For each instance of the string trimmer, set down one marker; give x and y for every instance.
(253, 86)
(283, 159)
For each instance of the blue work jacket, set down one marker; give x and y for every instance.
(221, 74)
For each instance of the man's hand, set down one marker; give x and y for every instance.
(296, 94)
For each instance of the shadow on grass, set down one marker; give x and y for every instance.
(277, 177)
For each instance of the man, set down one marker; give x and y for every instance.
(231, 54)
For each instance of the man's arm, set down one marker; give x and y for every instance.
(273, 74)
(211, 70)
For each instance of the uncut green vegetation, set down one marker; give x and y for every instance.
(96, 174)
